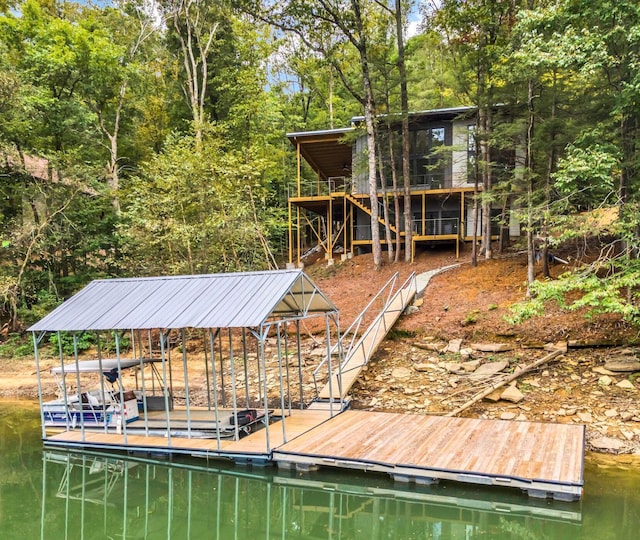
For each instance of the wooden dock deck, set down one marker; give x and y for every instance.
(542, 459)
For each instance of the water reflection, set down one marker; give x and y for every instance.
(58, 495)
(98, 496)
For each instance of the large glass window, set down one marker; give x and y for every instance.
(471, 153)
(428, 159)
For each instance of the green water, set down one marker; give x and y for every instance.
(46, 494)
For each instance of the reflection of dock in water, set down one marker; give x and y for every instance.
(144, 498)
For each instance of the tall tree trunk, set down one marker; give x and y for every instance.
(531, 248)
(195, 39)
(369, 120)
(385, 204)
(404, 106)
(396, 196)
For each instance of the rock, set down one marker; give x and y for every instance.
(494, 396)
(435, 347)
(492, 347)
(561, 412)
(410, 310)
(532, 382)
(623, 364)
(411, 391)
(521, 417)
(452, 367)
(558, 346)
(602, 371)
(401, 373)
(570, 412)
(512, 394)
(611, 413)
(470, 366)
(605, 380)
(418, 302)
(629, 435)
(626, 384)
(626, 416)
(454, 346)
(608, 443)
(490, 368)
(585, 417)
(507, 416)
(424, 367)
(466, 352)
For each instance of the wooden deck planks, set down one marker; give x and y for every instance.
(488, 447)
(296, 423)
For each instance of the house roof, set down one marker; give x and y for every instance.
(326, 151)
(330, 155)
(236, 300)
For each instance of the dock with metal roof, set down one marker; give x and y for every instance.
(259, 404)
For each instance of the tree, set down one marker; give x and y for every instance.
(200, 207)
(315, 22)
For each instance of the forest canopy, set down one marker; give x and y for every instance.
(143, 137)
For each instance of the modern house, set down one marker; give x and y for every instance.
(331, 206)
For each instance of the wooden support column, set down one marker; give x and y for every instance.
(290, 234)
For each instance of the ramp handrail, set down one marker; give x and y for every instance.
(409, 287)
(410, 281)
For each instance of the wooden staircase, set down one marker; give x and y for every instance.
(367, 210)
(357, 347)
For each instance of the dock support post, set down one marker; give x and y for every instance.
(186, 381)
(37, 358)
(164, 380)
(262, 360)
(78, 389)
(280, 377)
(212, 350)
(123, 418)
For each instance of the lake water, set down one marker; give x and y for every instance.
(47, 494)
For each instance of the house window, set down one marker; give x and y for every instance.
(427, 161)
(471, 153)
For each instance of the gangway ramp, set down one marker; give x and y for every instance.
(358, 347)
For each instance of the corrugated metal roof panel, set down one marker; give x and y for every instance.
(207, 301)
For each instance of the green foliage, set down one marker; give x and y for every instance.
(65, 340)
(201, 207)
(16, 346)
(608, 286)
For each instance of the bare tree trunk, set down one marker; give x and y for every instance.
(396, 197)
(195, 42)
(404, 106)
(385, 205)
(529, 172)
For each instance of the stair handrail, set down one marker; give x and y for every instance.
(354, 327)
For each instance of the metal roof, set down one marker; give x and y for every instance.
(236, 300)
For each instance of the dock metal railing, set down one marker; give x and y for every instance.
(355, 342)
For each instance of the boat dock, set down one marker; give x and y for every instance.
(260, 402)
(542, 459)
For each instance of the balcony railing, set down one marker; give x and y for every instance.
(436, 227)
